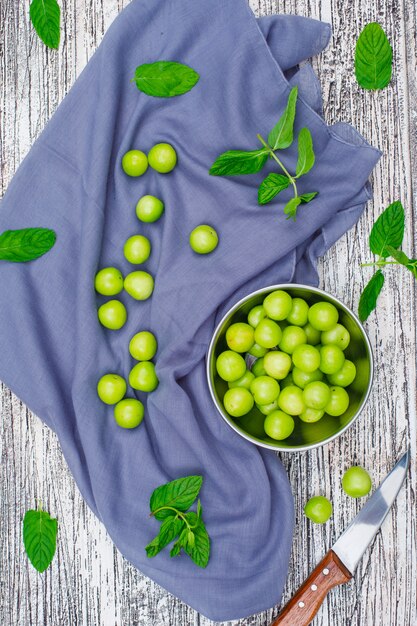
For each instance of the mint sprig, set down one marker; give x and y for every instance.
(39, 537)
(170, 503)
(386, 237)
(236, 162)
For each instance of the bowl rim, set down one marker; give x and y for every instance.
(210, 350)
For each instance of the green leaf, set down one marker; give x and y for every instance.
(369, 296)
(176, 549)
(179, 493)
(200, 550)
(271, 186)
(235, 162)
(306, 156)
(39, 538)
(308, 197)
(373, 58)
(388, 230)
(165, 79)
(291, 208)
(26, 244)
(45, 16)
(170, 528)
(199, 509)
(282, 135)
(402, 258)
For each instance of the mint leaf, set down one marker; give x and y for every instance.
(401, 257)
(271, 186)
(388, 230)
(179, 494)
(199, 509)
(398, 255)
(170, 528)
(373, 58)
(176, 549)
(308, 197)
(369, 296)
(45, 16)
(306, 156)
(165, 79)
(199, 549)
(39, 538)
(291, 208)
(235, 162)
(26, 244)
(282, 135)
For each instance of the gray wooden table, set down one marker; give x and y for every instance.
(89, 582)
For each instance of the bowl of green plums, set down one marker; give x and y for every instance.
(289, 367)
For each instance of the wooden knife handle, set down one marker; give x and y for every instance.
(301, 609)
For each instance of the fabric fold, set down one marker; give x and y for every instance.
(53, 350)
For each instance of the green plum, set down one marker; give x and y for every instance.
(313, 335)
(111, 388)
(277, 364)
(112, 314)
(311, 415)
(298, 315)
(323, 316)
(139, 285)
(301, 379)
(203, 239)
(255, 315)
(143, 346)
(257, 350)
(109, 281)
(306, 358)
(291, 400)
(240, 337)
(292, 336)
(316, 395)
(134, 163)
(129, 413)
(266, 409)
(143, 377)
(230, 366)
(278, 305)
(258, 368)
(137, 249)
(331, 359)
(338, 403)
(267, 333)
(238, 401)
(264, 389)
(162, 158)
(345, 376)
(244, 381)
(318, 509)
(278, 425)
(356, 482)
(338, 335)
(149, 209)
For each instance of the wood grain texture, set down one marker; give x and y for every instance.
(89, 582)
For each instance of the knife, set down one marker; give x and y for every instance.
(339, 564)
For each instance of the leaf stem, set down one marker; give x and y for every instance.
(282, 166)
(178, 513)
(380, 263)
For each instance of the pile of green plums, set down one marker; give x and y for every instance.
(111, 388)
(300, 369)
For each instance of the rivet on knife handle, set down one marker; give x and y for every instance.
(301, 609)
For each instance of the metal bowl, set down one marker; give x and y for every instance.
(305, 436)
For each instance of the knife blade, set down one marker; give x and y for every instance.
(340, 563)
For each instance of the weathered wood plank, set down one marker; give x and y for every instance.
(89, 582)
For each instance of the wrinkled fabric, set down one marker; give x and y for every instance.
(53, 350)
